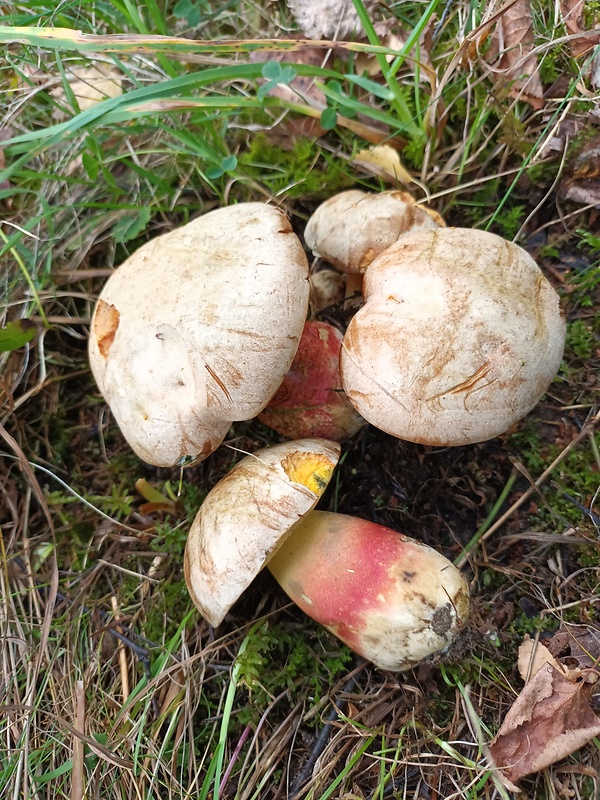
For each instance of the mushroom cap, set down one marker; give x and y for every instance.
(198, 328)
(392, 599)
(248, 514)
(352, 228)
(459, 337)
(311, 402)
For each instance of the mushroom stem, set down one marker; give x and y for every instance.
(392, 599)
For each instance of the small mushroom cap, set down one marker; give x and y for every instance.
(459, 338)
(392, 599)
(248, 514)
(311, 402)
(198, 328)
(352, 228)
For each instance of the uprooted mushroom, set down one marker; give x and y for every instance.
(392, 599)
(198, 328)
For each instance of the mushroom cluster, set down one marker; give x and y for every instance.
(460, 333)
(458, 337)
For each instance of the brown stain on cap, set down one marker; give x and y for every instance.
(105, 326)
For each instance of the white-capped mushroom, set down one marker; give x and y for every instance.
(392, 599)
(198, 328)
(352, 228)
(459, 338)
(248, 514)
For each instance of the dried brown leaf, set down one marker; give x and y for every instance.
(327, 19)
(582, 41)
(584, 193)
(518, 62)
(90, 85)
(532, 657)
(549, 720)
(577, 645)
(582, 184)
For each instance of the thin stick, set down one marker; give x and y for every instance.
(583, 433)
(122, 653)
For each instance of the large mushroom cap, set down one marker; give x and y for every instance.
(248, 514)
(198, 328)
(392, 599)
(352, 228)
(459, 337)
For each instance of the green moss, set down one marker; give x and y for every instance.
(278, 657)
(305, 170)
(522, 624)
(582, 338)
(508, 222)
(528, 444)
(589, 556)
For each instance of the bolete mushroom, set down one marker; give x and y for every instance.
(459, 337)
(311, 402)
(198, 328)
(352, 228)
(392, 599)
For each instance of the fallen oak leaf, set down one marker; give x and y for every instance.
(578, 643)
(580, 40)
(550, 719)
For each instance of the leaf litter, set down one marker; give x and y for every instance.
(551, 718)
(517, 66)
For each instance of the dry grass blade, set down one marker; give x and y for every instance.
(77, 773)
